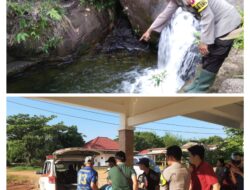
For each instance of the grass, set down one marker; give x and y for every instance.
(26, 168)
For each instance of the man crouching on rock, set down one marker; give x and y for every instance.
(217, 18)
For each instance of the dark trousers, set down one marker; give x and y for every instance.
(217, 54)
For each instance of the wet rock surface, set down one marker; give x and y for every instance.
(122, 38)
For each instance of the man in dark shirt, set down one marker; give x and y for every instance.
(151, 179)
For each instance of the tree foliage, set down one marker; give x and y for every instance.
(31, 138)
(145, 140)
(170, 140)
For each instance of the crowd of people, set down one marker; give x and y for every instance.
(197, 175)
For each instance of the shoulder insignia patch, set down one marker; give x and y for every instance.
(200, 5)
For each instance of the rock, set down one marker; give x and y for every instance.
(141, 13)
(232, 68)
(232, 86)
(122, 38)
(18, 67)
(80, 28)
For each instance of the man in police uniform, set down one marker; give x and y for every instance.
(87, 177)
(217, 18)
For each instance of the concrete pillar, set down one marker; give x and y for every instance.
(126, 142)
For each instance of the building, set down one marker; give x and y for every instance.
(106, 146)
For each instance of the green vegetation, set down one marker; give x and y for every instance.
(99, 4)
(239, 41)
(26, 168)
(157, 79)
(33, 23)
(31, 138)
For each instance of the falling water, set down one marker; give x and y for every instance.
(177, 58)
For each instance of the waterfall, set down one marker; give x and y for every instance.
(177, 58)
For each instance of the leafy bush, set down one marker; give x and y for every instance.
(32, 22)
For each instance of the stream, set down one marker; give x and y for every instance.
(122, 72)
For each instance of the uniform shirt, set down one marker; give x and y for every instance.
(152, 179)
(203, 177)
(177, 177)
(119, 182)
(217, 19)
(85, 176)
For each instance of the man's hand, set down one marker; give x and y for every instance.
(203, 48)
(216, 186)
(146, 35)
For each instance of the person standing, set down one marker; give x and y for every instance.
(151, 179)
(237, 170)
(87, 177)
(122, 176)
(203, 176)
(220, 170)
(217, 19)
(176, 175)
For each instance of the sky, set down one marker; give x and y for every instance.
(94, 123)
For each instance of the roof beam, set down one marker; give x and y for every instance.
(215, 118)
(184, 107)
(91, 102)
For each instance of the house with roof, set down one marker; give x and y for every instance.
(106, 146)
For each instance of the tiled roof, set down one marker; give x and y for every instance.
(103, 144)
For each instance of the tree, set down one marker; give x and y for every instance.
(30, 138)
(211, 140)
(145, 140)
(234, 142)
(170, 139)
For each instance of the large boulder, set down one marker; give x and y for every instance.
(80, 28)
(231, 74)
(141, 13)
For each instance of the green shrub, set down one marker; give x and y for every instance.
(33, 23)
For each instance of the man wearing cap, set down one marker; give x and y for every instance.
(87, 177)
(151, 179)
(121, 176)
(177, 176)
(203, 176)
(218, 18)
(236, 170)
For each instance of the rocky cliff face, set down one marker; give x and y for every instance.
(80, 27)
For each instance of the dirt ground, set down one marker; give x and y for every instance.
(28, 180)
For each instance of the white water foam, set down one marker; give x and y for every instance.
(177, 57)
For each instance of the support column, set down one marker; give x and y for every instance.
(126, 142)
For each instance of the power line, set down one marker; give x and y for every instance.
(161, 123)
(193, 132)
(59, 105)
(68, 115)
(94, 120)
(187, 126)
